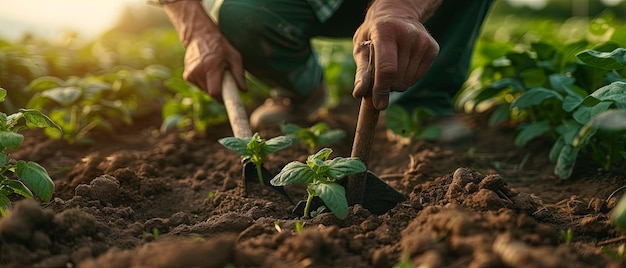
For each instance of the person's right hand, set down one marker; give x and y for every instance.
(208, 54)
(207, 57)
(392, 48)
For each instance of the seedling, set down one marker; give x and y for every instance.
(321, 175)
(411, 126)
(616, 255)
(554, 92)
(567, 235)
(30, 175)
(255, 149)
(277, 226)
(190, 106)
(155, 233)
(312, 137)
(298, 226)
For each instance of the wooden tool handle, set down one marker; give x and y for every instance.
(234, 107)
(361, 148)
(365, 130)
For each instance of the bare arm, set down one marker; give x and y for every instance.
(208, 54)
(403, 50)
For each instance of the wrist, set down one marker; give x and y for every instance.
(418, 11)
(164, 2)
(190, 19)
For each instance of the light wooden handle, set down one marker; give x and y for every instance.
(234, 107)
(361, 148)
(365, 130)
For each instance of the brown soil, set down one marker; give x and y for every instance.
(139, 198)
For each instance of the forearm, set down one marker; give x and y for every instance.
(190, 19)
(419, 10)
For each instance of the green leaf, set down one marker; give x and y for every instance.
(398, 120)
(12, 120)
(571, 102)
(5, 204)
(237, 145)
(590, 101)
(560, 81)
(618, 215)
(429, 133)
(615, 91)
(44, 83)
(535, 96)
(584, 113)
(277, 143)
(544, 51)
(3, 94)
(171, 122)
(37, 179)
(38, 119)
(64, 96)
(332, 135)
(584, 135)
(19, 188)
(566, 161)
(322, 154)
(530, 131)
(570, 131)
(293, 173)
(334, 196)
(613, 60)
(496, 88)
(501, 114)
(341, 167)
(534, 77)
(10, 140)
(289, 128)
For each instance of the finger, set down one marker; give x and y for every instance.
(236, 68)
(385, 68)
(195, 78)
(405, 50)
(426, 58)
(363, 75)
(399, 83)
(214, 83)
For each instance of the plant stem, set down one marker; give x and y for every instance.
(259, 173)
(308, 205)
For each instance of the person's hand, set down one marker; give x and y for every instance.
(207, 57)
(208, 54)
(393, 40)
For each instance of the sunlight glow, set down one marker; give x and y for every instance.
(52, 17)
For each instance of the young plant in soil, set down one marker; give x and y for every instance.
(321, 175)
(411, 126)
(314, 136)
(190, 106)
(255, 149)
(554, 92)
(30, 175)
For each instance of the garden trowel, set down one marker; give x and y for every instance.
(366, 188)
(241, 129)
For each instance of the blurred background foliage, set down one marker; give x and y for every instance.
(143, 36)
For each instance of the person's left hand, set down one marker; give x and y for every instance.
(397, 45)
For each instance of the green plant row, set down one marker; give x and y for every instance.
(27, 179)
(80, 105)
(553, 91)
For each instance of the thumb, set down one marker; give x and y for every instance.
(364, 75)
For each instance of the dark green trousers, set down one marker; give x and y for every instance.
(274, 36)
